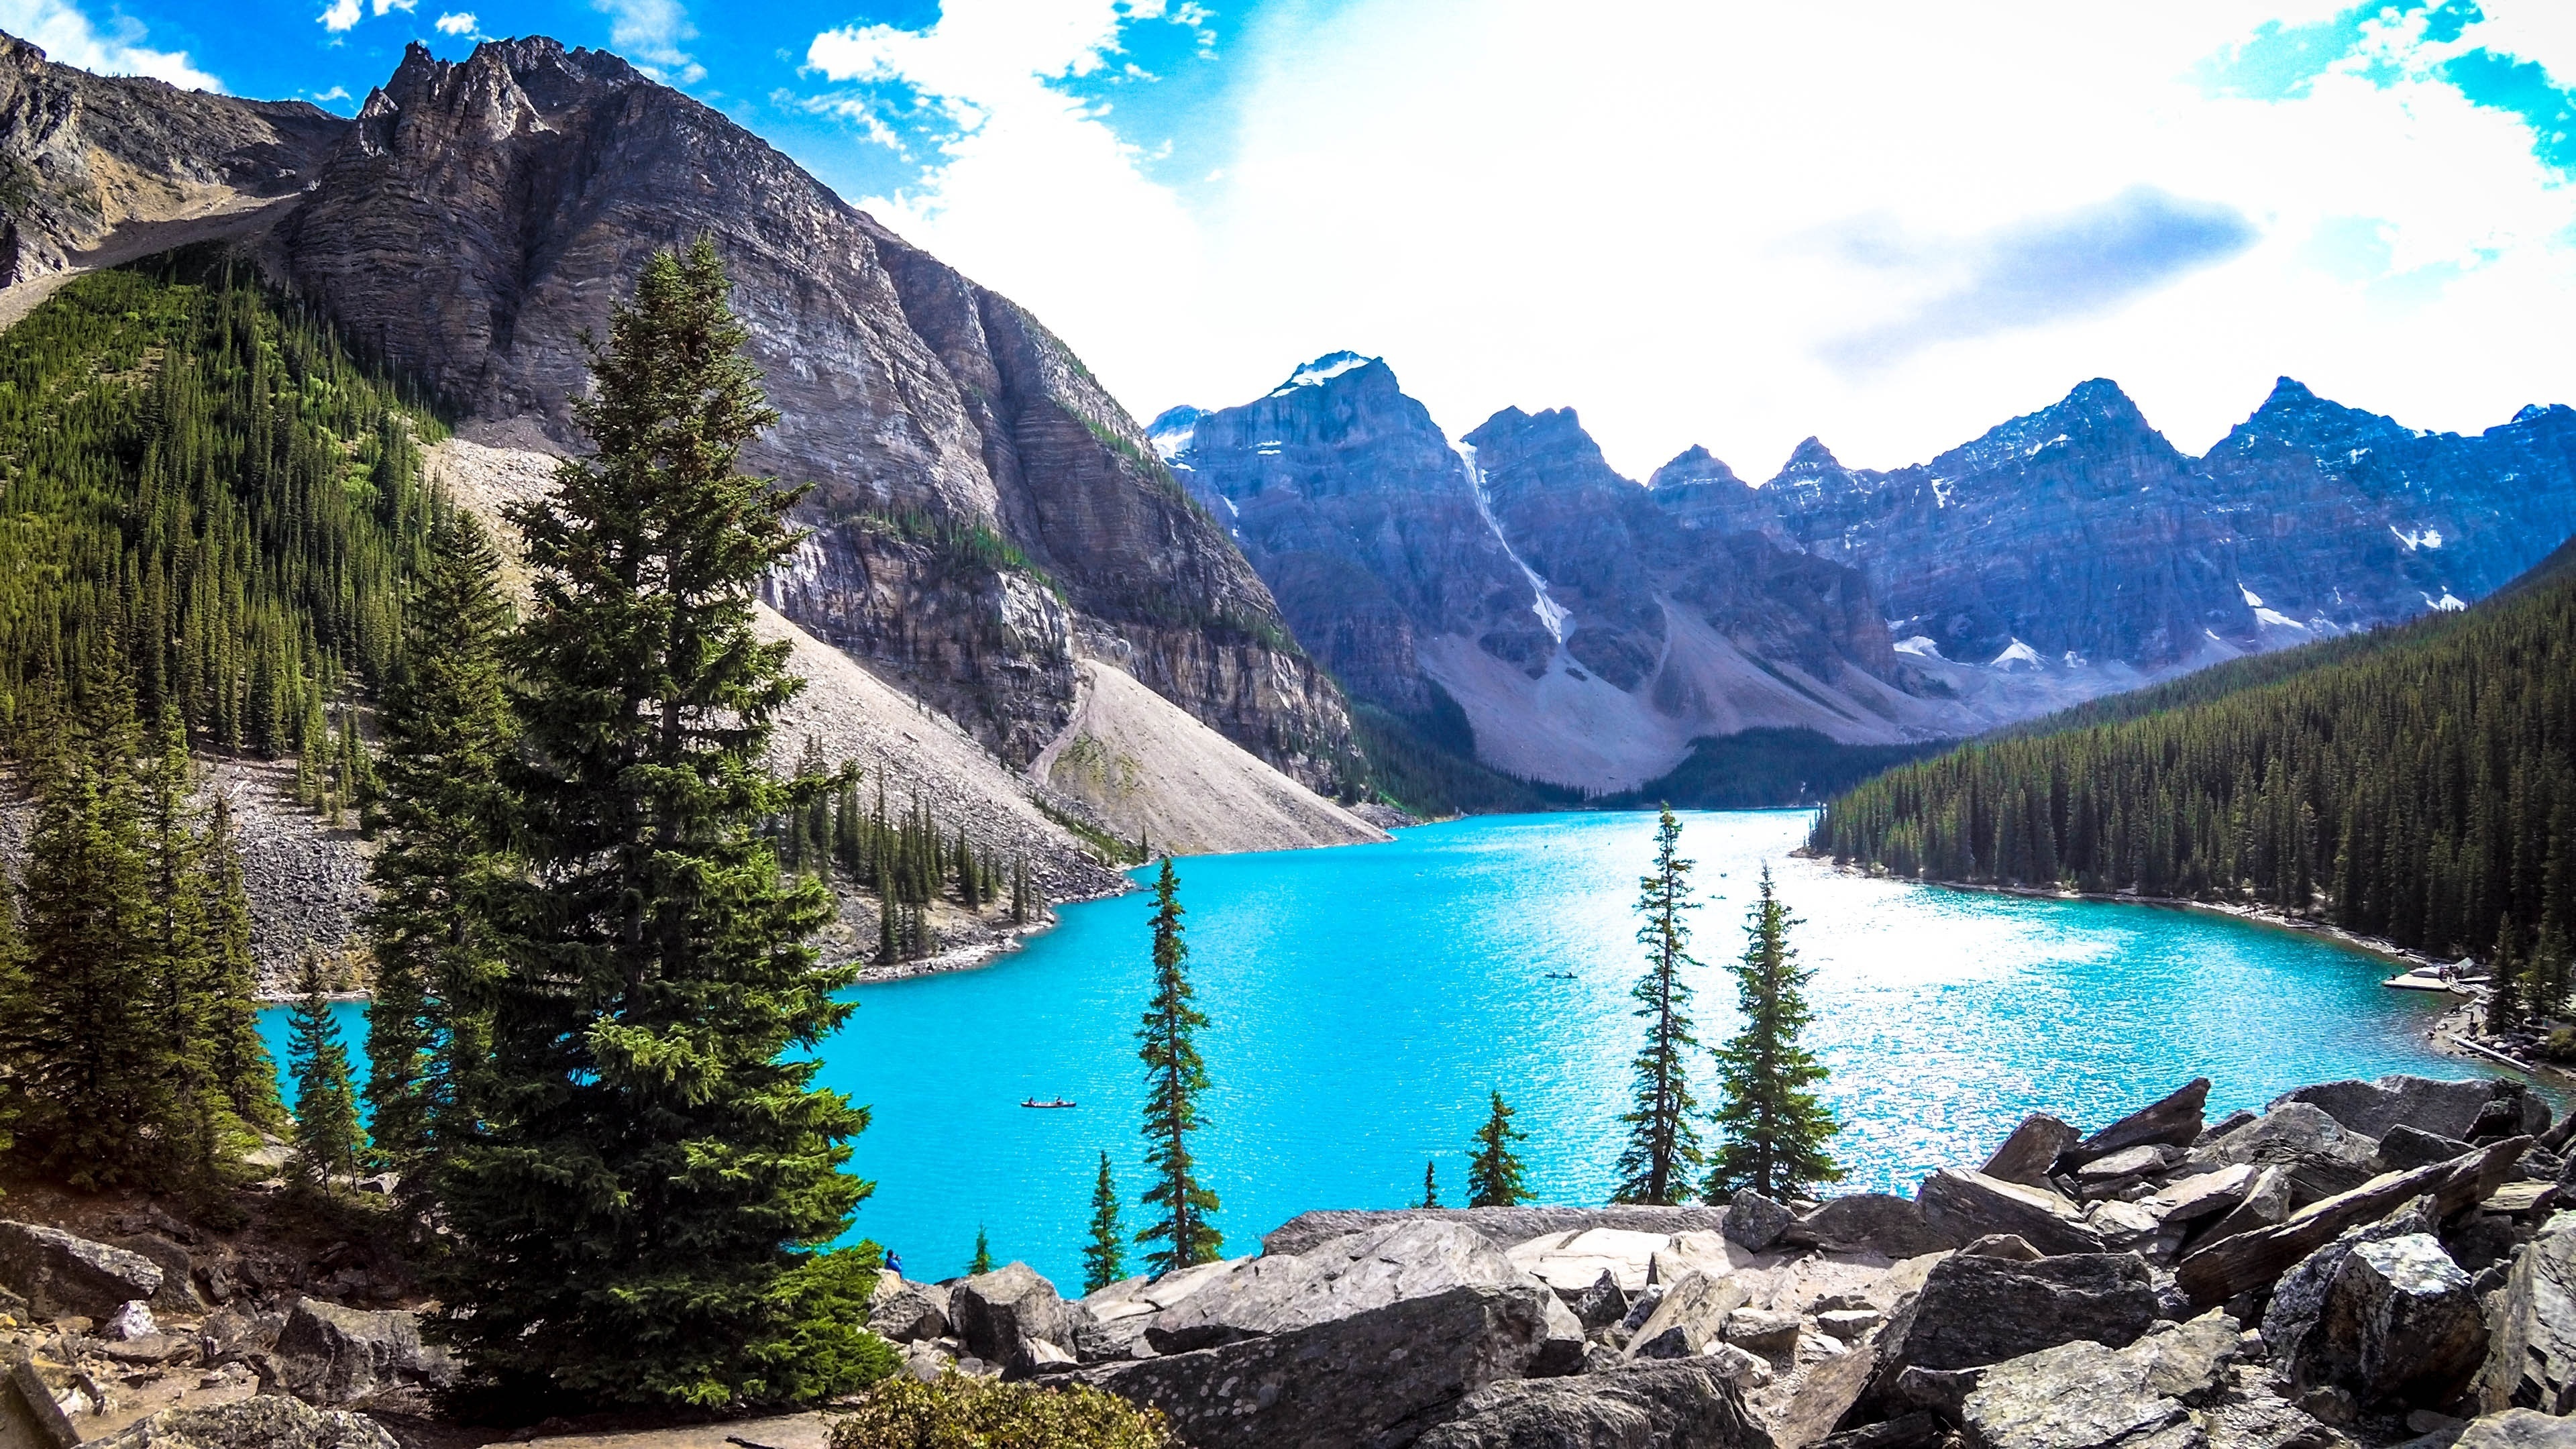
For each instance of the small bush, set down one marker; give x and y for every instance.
(959, 1412)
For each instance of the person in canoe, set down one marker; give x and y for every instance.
(1034, 1102)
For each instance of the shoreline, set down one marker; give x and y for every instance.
(2449, 1035)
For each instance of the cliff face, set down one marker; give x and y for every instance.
(2077, 534)
(985, 511)
(81, 154)
(1586, 633)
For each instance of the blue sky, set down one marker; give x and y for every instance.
(1884, 223)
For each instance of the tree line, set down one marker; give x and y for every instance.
(2419, 787)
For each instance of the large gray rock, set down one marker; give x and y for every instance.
(58, 1273)
(2402, 1147)
(2173, 1120)
(1966, 1205)
(1680, 1405)
(906, 1312)
(1690, 1319)
(2321, 1155)
(2266, 1204)
(2082, 1395)
(178, 1291)
(2531, 1359)
(1011, 1317)
(2446, 1109)
(1755, 1222)
(1365, 1340)
(2512, 1429)
(2187, 1200)
(268, 1421)
(2031, 1150)
(2385, 1316)
(331, 1356)
(1973, 1311)
(1870, 1222)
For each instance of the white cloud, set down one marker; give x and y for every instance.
(340, 15)
(459, 22)
(1018, 152)
(650, 33)
(1630, 214)
(336, 93)
(405, 6)
(69, 36)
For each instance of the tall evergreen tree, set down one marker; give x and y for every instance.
(1430, 1184)
(982, 1263)
(1104, 1257)
(1663, 1138)
(641, 1212)
(2506, 985)
(1493, 1169)
(242, 1069)
(443, 801)
(1776, 1127)
(1174, 1078)
(326, 1098)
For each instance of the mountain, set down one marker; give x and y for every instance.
(2417, 784)
(1515, 594)
(2078, 535)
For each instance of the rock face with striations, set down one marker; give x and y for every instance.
(86, 153)
(984, 510)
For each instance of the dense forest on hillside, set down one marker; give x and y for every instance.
(2417, 785)
(200, 483)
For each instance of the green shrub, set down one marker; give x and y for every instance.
(959, 1412)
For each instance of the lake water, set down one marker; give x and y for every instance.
(1363, 1000)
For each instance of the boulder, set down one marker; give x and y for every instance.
(1602, 1304)
(2512, 1429)
(2187, 1200)
(1678, 1405)
(1975, 1310)
(1870, 1222)
(908, 1312)
(2173, 1120)
(1755, 1222)
(1562, 1345)
(332, 1356)
(2082, 1395)
(2215, 1272)
(1367, 1339)
(130, 1322)
(1690, 1319)
(2266, 1204)
(1970, 1205)
(1917, 1430)
(1765, 1330)
(2126, 1227)
(2008, 1246)
(2531, 1358)
(59, 1274)
(2446, 1109)
(2223, 1126)
(1572, 1262)
(2108, 1174)
(2322, 1156)
(1823, 1397)
(178, 1291)
(2385, 1316)
(1502, 1226)
(1738, 1365)
(2031, 1150)
(1847, 1324)
(269, 1421)
(2402, 1147)
(1003, 1317)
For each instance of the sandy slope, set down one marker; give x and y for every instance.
(1150, 768)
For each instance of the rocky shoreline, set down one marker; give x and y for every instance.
(2362, 1265)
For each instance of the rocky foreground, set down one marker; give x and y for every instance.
(2362, 1264)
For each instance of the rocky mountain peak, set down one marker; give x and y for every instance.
(1324, 370)
(1694, 465)
(1552, 444)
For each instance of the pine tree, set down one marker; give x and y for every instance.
(1776, 1127)
(441, 795)
(1174, 1078)
(1494, 1170)
(2505, 984)
(983, 1262)
(642, 1211)
(2548, 971)
(1430, 1184)
(1663, 1140)
(1104, 1258)
(326, 1100)
(175, 955)
(242, 1069)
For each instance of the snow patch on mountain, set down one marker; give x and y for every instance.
(1320, 371)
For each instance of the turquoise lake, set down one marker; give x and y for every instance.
(1362, 1001)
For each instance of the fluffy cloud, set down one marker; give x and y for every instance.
(457, 23)
(68, 35)
(382, 7)
(651, 33)
(1740, 224)
(340, 15)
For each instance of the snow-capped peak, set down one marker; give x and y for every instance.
(1173, 432)
(2017, 653)
(1320, 371)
